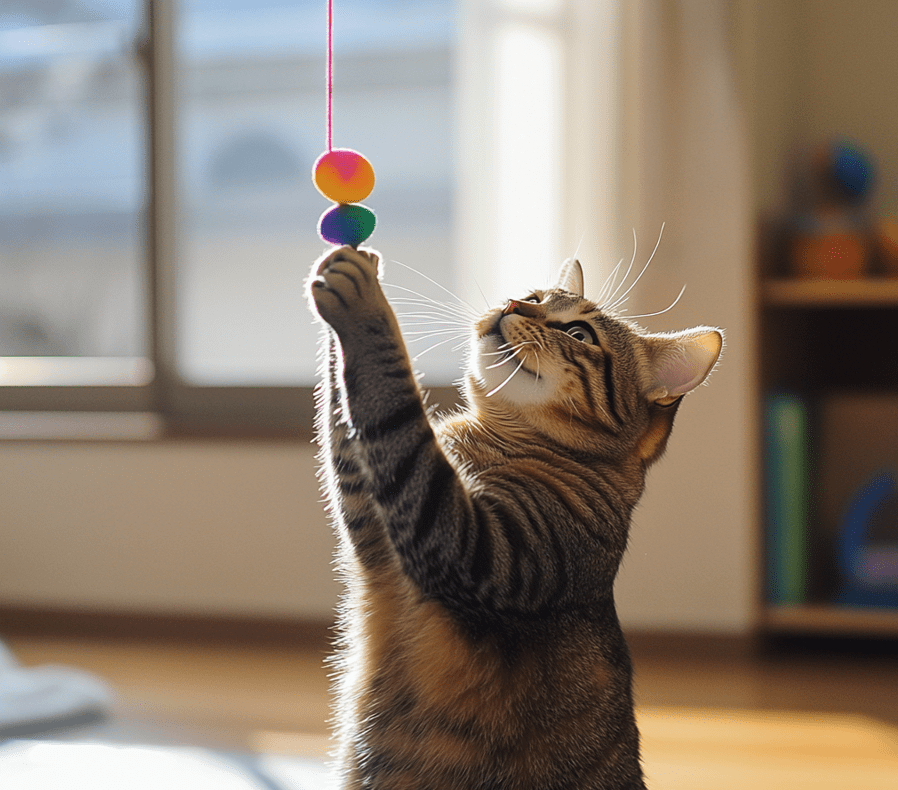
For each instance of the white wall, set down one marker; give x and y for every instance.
(170, 527)
(691, 564)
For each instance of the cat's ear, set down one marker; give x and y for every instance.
(570, 278)
(680, 361)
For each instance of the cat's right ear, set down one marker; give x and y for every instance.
(570, 278)
(680, 361)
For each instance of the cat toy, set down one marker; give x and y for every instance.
(341, 174)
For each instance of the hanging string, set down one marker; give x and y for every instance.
(342, 175)
(330, 74)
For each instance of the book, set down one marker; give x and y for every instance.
(787, 483)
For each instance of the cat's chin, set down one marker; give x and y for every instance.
(506, 377)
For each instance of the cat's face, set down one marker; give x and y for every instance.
(561, 364)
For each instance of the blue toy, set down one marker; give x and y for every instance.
(870, 570)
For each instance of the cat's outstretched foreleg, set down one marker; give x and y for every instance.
(346, 483)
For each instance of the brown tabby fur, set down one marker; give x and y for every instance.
(480, 644)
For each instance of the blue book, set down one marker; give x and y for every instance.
(787, 479)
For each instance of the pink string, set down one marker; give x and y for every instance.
(330, 73)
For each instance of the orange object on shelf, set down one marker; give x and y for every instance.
(834, 255)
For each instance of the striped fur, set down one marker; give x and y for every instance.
(480, 647)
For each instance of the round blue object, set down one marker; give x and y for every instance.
(347, 223)
(852, 170)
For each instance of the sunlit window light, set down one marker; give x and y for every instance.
(75, 371)
(528, 154)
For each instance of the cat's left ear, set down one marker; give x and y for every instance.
(680, 361)
(570, 278)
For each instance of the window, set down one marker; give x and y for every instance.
(250, 113)
(156, 209)
(73, 307)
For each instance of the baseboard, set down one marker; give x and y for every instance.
(215, 628)
(204, 628)
(685, 645)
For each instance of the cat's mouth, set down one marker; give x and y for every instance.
(502, 346)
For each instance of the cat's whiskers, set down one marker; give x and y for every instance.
(482, 294)
(457, 298)
(504, 361)
(510, 377)
(623, 297)
(468, 309)
(629, 269)
(515, 351)
(661, 312)
(501, 349)
(420, 334)
(510, 353)
(441, 343)
(432, 309)
(424, 321)
(609, 281)
(505, 348)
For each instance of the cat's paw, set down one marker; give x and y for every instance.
(344, 286)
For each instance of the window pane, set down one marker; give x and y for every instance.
(71, 188)
(251, 123)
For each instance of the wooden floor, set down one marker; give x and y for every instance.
(708, 722)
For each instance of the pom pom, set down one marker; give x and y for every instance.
(343, 175)
(346, 224)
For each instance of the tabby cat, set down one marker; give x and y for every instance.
(480, 644)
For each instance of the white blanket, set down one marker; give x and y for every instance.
(37, 698)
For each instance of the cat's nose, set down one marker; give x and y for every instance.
(528, 309)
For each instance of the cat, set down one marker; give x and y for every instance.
(480, 646)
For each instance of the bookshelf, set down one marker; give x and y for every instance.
(821, 619)
(825, 342)
(819, 70)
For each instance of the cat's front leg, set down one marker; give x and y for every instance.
(346, 483)
(362, 344)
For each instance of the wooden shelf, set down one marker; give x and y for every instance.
(830, 293)
(830, 620)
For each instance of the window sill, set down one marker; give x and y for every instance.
(80, 426)
(47, 426)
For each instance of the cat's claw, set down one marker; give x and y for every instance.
(344, 285)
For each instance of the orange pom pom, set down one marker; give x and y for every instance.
(343, 175)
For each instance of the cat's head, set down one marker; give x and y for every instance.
(555, 362)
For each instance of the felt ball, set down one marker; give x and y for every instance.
(343, 175)
(853, 170)
(349, 223)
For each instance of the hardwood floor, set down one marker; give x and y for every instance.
(707, 721)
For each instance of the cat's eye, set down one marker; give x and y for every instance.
(583, 332)
(533, 298)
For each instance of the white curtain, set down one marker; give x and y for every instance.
(685, 161)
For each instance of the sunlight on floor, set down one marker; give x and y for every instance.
(694, 749)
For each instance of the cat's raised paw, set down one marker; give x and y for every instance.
(345, 284)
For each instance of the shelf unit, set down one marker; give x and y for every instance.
(805, 325)
(821, 619)
(819, 70)
(785, 292)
